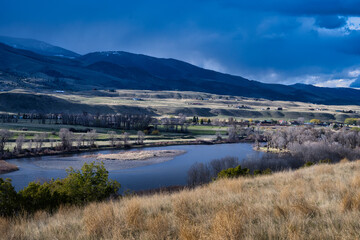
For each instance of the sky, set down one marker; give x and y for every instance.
(275, 41)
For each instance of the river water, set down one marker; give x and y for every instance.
(158, 174)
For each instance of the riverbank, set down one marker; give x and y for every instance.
(6, 167)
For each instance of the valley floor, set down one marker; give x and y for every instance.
(169, 103)
(319, 202)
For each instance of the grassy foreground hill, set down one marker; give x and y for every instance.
(319, 202)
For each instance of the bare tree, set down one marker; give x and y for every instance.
(218, 136)
(182, 121)
(232, 134)
(112, 137)
(268, 138)
(39, 140)
(200, 173)
(79, 140)
(125, 137)
(91, 136)
(51, 143)
(30, 144)
(140, 137)
(19, 143)
(83, 139)
(66, 138)
(301, 120)
(5, 135)
(257, 137)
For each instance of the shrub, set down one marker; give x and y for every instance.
(155, 132)
(91, 183)
(38, 196)
(267, 171)
(308, 164)
(8, 198)
(234, 172)
(257, 172)
(262, 172)
(326, 160)
(315, 121)
(351, 121)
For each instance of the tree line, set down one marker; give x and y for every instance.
(116, 121)
(315, 144)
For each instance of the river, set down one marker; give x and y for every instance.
(162, 174)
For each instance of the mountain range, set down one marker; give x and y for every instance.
(37, 47)
(35, 65)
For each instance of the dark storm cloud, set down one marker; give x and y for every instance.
(330, 21)
(274, 41)
(300, 7)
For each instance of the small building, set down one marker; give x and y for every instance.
(283, 122)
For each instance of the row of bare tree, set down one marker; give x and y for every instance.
(68, 141)
(316, 144)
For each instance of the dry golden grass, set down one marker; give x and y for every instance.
(319, 202)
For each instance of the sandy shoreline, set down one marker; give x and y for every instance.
(137, 155)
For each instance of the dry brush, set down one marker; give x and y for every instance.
(319, 202)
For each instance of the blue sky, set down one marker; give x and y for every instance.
(281, 41)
